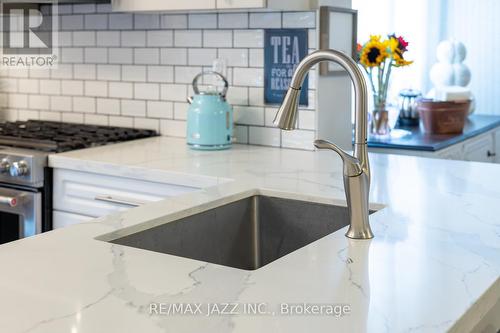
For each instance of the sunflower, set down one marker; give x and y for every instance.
(374, 52)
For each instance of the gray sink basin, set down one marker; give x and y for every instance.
(246, 234)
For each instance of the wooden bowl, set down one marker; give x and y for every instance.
(443, 117)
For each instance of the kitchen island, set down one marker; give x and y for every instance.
(433, 266)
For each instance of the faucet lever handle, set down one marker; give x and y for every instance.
(352, 165)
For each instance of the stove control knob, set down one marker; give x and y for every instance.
(4, 165)
(19, 169)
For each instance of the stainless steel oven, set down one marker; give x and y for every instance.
(20, 213)
(25, 193)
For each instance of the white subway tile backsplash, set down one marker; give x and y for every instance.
(108, 38)
(252, 77)
(72, 117)
(264, 136)
(248, 38)
(84, 72)
(185, 74)
(146, 56)
(121, 121)
(96, 55)
(160, 38)
(175, 128)
(84, 104)
(108, 106)
(234, 57)
(299, 139)
(39, 102)
(149, 91)
(202, 21)
(96, 119)
(136, 38)
(28, 86)
(120, 55)
(72, 87)
(120, 89)
(72, 55)
(60, 103)
(84, 8)
(133, 108)
(50, 87)
(173, 92)
(240, 134)
(160, 109)
(256, 57)
(246, 115)
(217, 38)
(120, 21)
(147, 123)
(136, 69)
(146, 21)
(71, 22)
(96, 88)
(96, 22)
(180, 110)
(134, 73)
(201, 57)
(299, 20)
(108, 72)
(84, 38)
(173, 56)
(50, 116)
(174, 21)
(64, 9)
(160, 74)
(265, 20)
(233, 20)
(187, 38)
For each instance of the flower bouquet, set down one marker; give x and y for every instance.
(378, 57)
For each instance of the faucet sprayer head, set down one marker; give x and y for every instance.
(286, 117)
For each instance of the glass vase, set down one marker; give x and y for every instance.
(379, 124)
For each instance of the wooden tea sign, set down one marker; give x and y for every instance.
(283, 50)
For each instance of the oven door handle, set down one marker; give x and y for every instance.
(119, 201)
(10, 201)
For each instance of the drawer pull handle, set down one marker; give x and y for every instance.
(119, 201)
(490, 154)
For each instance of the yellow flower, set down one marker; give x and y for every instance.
(392, 44)
(400, 62)
(374, 52)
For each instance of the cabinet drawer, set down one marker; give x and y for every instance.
(480, 149)
(64, 219)
(97, 195)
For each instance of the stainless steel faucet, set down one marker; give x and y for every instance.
(356, 166)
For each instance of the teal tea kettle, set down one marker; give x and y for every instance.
(209, 117)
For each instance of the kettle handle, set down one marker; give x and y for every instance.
(195, 82)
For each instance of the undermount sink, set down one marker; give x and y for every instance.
(246, 234)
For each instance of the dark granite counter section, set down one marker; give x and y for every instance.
(417, 140)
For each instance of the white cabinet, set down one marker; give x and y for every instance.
(480, 149)
(90, 195)
(64, 219)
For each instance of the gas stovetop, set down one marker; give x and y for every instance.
(56, 137)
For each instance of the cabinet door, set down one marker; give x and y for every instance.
(157, 5)
(98, 195)
(452, 153)
(234, 4)
(64, 219)
(497, 146)
(480, 149)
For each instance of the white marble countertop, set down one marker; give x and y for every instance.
(433, 266)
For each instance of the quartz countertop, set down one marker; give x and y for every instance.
(433, 266)
(416, 139)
